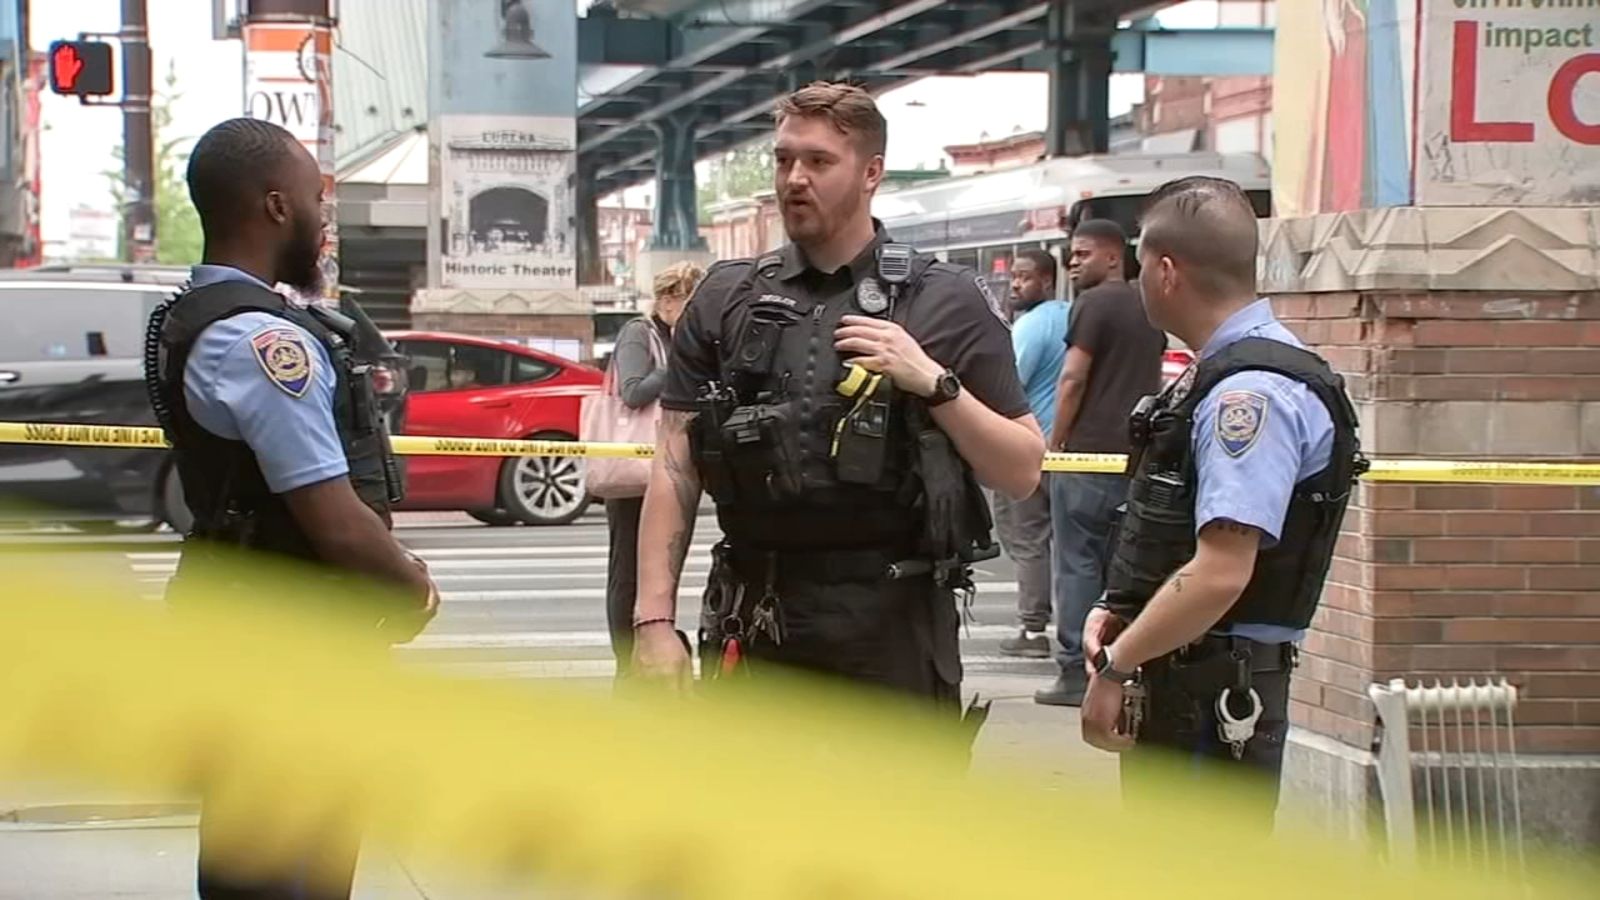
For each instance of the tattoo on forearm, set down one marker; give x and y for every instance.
(685, 485)
(1177, 580)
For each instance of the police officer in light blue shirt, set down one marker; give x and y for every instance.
(1241, 473)
(291, 431)
(1038, 340)
(277, 439)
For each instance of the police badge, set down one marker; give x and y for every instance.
(871, 298)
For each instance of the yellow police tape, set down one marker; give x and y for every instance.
(1402, 470)
(302, 735)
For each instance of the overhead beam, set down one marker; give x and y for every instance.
(962, 38)
(893, 16)
(700, 45)
(996, 60)
(1193, 51)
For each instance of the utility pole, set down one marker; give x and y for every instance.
(138, 142)
(288, 47)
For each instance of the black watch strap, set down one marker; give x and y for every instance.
(946, 387)
(1102, 667)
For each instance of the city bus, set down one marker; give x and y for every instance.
(983, 220)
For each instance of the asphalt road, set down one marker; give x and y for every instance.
(519, 602)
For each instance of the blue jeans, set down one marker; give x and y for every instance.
(1083, 506)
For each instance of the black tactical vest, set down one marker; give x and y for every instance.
(222, 481)
(1157, 532)
(794, 461)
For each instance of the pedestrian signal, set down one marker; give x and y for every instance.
(80, 68)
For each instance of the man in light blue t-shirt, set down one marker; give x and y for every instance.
(1038, 339)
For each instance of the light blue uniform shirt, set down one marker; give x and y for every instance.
(1274, 434)
(233, 390)
(1039, 341)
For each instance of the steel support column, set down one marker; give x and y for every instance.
(677, 217)
(1078, 41)
(591, 268)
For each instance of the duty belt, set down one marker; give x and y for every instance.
(825, 566)
(1216, 670)
(1264, 657)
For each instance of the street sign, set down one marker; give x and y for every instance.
(81, 68)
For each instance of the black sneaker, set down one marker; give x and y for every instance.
(1068, 690)
(1035, 646)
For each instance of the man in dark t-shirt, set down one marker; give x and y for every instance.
(1113, 360)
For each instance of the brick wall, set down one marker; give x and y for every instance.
(1443, 580)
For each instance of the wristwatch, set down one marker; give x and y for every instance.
(1103, 666)
(945, 388)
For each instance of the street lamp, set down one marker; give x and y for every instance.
(516, 34)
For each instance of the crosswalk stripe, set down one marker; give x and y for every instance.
(544, 640)
(517, 585)
(687, 591)
(582, 566)
(431, 553)
(605, 668)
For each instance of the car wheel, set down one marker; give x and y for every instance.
(544, 490)
(174, 509)
(496, 517)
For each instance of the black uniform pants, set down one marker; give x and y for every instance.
(325, 871)
(1179, 738)
(622, 575)
(901, 635)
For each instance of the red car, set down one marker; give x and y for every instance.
(1173, 362)
(462, 386)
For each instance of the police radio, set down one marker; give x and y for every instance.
(894, 267)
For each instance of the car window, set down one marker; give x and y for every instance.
(526, 370)
(441, 366)
(477, 367)
(429, 369)
(71, 321)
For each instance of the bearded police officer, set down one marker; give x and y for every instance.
(1241, 473)
(840, 399)
(279, 444)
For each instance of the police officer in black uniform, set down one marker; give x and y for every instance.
(1241, 470)
(278, 438)
(840, 400)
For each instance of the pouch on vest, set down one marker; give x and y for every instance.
(713, 406)
(861, 438)
(760, 443)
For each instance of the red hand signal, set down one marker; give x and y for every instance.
(67, 66)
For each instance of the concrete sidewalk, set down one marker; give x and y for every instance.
(60, 842)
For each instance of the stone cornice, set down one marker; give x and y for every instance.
(1437, 248)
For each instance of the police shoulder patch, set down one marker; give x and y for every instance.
(283, 355)
(1240, 415)
(989, 298)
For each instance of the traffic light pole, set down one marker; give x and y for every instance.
(138, 141)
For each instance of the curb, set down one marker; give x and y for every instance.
(84, 816)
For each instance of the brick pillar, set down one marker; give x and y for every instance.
(1445, 580)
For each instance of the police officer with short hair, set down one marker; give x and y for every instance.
(840, 399)
(1241, 470)
(277, 434)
